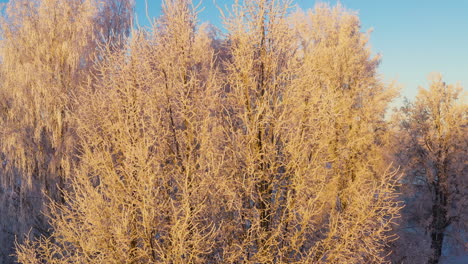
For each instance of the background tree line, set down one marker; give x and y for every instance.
(266, 143)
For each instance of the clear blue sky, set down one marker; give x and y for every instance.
(415, 37)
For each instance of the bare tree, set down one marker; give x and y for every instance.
(141, 190)
(263, 147)
(344, 190)
(258, 72)
(47, 49)
(433, 144)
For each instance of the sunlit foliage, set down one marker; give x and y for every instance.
(182, 144)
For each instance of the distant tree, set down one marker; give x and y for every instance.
(432, 148)
(114, 21)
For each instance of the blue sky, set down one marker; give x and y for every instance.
(415, 37)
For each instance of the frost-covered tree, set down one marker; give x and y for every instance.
(432, 146)
(344, 190)
(262, 147)
(305, 114)
(141, 190)
(260, 46)
(47, 49)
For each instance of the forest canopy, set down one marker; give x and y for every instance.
(269, 141)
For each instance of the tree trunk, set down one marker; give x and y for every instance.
(438, 225)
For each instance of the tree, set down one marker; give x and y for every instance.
(257, 74)
(344, 190)
(304, 136)
(433, 146)
(141, 190)
(267, 150)
(47, 50)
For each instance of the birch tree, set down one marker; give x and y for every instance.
(141, 191)
(258, 73)
(344, 192)
(263, 147)
(433, 145)
(47, 49)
